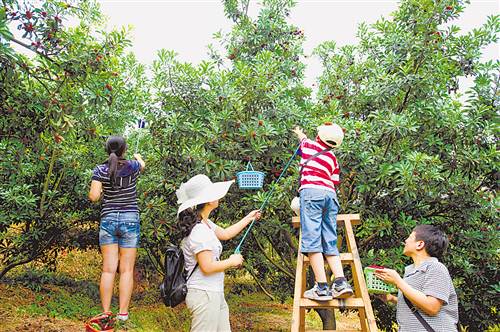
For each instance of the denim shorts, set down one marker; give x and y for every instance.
(318, 221)
(122, 228)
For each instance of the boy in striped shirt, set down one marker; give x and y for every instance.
(319, 206)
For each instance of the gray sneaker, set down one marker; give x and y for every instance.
(318, 295)
(342, 290)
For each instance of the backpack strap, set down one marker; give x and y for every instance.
(309, 159)
(192, 271)
(417, 314)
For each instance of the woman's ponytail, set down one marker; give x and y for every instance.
(115, 147)
(113, 166)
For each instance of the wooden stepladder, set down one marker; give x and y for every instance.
(360, 301)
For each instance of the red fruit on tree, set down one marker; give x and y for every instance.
(109, 87)
(339, 97)
(58, 138)
(28, 27)
(449, 7)
(253, 134)
(44, 14)
(231, 56)
(261, 122)
(29, 15)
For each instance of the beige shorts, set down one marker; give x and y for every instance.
(209, 311)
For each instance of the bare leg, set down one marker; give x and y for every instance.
(335, 266)
(127, 263)
(109, 265)
(318, 266)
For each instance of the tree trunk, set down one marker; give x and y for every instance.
(327, 318)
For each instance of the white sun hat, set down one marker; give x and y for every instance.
(331, 134)
(198, 190)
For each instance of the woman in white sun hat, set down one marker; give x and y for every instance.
(202, 249)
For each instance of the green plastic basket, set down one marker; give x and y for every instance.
(375, 285)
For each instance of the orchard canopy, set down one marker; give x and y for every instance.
(418, 148)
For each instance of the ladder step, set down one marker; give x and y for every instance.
(351, 302)
(344, 257)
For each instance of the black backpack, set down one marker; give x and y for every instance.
(173, 289)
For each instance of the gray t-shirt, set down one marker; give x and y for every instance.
(202, 238)
(433, 279)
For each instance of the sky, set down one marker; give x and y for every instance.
(187, 26)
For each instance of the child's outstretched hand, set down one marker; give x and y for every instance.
(300, 134)
(255, 214)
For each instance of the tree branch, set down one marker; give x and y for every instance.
(259, 283)
(262, 249)
(35, 51)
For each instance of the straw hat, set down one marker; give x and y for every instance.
(198, 190)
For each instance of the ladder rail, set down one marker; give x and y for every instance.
(359, 279)
(361, 302)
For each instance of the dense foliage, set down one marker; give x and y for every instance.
(418, 148)
(57, 99)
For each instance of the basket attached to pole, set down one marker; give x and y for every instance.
(250, 179)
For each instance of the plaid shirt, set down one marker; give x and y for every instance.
(433, 279)
(321, 172)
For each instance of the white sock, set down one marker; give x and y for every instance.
(122, 317)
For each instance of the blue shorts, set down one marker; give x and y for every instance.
(318, 221)
(122, 228)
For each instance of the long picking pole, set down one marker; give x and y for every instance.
(266, 200)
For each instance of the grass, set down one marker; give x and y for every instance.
(34, 299)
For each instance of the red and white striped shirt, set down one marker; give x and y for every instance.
(321, 172)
